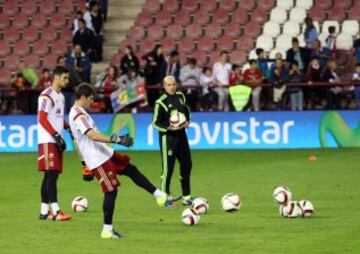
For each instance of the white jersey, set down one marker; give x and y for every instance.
(222, 72)
(53, 104)
(94, 153)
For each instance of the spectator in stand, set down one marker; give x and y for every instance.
(236, 76)
(356, 48)
(298, 54)
(296, 93)
(322, 53)
(129, 60)
(310, 33)
(128, 81)
(104, 8)
(314, 95)
(262, 63)
(85, 37)
(221, 72)
(208, 96)
(278, 56)
(356, 80)
(29, 74)
(334, 94)
(331, 40)
(154, 71)
(46, 79)
(94, 21)
(108, 81)
(75, 24)
(279, 78)
(22, 99)
(80, 61)
(173, 66)
(189, 77)
(254, 77)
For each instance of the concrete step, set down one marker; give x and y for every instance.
(124, 11)
(114, 39)
(113, 3)
(122, 25)
(109, 52)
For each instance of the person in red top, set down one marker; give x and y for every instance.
(236, 76)
(46, 79)
(252, 77)
(108, 81)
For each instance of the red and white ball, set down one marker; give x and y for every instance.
(200, 205)
(80, 204)
(307, 207)
(177, 119)
(231, 202)
(189, 217)
(282, 195)
(291, 210)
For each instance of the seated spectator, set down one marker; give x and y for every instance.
(310, 34)
(334, 93)
(322, 53)
(356, 48)
(108, 81)
(253, 77)
(78, 59)
(331, 40)
(21, 86)
(208, 97)
(129, 60)
(313, 95)
(221, 72)
(46, 79)
(173, 66)
(296, 93)
(356, 79)
(189, 76)
(85, 37)
(29, 74)
(298, 54)
(236, 76)
(75, 23)
(278, 56)
(262, 62)
(279, 78)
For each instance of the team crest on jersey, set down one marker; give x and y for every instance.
(170, 152)
(58, 111)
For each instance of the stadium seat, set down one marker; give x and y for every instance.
(57, 20)
(248, 5)
(10, 8)
(40, 48)
(193, 31)
(318, 14)
(201, 17)
(322, 38)
(20, 21)
(66, 8)
(225, 43)
(144, 18)
(344, 41)
(170, 5)
(21, 48)
(213, 30)
(220, 16)
(137, 32)
(341, 56)
(49, 34)
(266, 4)
(147, 45)
(116, 59)
(285, 4)
(155, 32)
(5, 74)
(337, 13)
(316, 24)
(4, 21)
(182, 17)
(66, 34)
(152, 6)
(186, 45)
(47, 7)
(12, 61)
(344, 4)
(278, 15)
(208, 5)
(323, 4)
(214, 57)
(205, 44)
(4, 48)
(240, 16)
(298, 14)
(174, 32)
(59, 47)
(233, 30)
(32, 60)
(200, 57)
(271, 29)
(259, 15)
(327, 24)
(163, 18)
(227, 5)
(283, 42)
(38, 21)
(11, 34)
(265, 42)
(291, 28)
(245, 43)
(168, 45)
(189, 5)
(301, 40)
(238, 57)
(275, 51)
(350, 27)
(354, 13)
(252, 55)
(50, 61)
(252, 29)
(306, 4)
(130, 42)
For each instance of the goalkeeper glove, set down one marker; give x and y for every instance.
(86, 172)
(124, 140)
(60, 142)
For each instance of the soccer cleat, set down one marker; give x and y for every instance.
(110, 234)
(61, 216)
(188, 200)
(164, 202)
(174, 198)
(47, 216)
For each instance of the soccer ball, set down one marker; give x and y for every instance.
(291, 210)
(231, 202)
(200, 206)
(307, 207)
(189, 217)
(282, 195)
(80, 204)
(177, 119)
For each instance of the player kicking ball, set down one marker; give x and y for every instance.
(105, 163)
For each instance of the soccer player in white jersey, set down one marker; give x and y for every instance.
(51, 143)
(105, 163)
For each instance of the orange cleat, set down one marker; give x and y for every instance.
(61, 216)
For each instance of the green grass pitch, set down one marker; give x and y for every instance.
(331, 183)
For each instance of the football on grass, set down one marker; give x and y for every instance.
(80, 204)
(200, 206)
(189, 217)
(282, 195)
(231, 202)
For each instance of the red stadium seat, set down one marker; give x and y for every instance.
(266, 4)
(225, 43)
(116, 59)
(208, 5)
(144, 18)
(245, 43)
(205, 44)
(344, 4)
(189, 5)
(200, 56)
(221, 16)
(323, 4)
(49, 34)
(40, 48)
(259, 15)
(247, 4)
(66, 34)
(12, 61)
(147, 45)
(356, 4)
(137, 32)
(59, 47)
(126, 42)
(152, 6)
(238, 57)
(29, 8)
(163, 18)
(171, 5)
(228, 5)
(11, 34)
(4, 21)
(47, 7)
(10, 8)
(174, 32)
(20, 21)
(193, 31)
(155, 32)
(337, 13)
(21, 48)
(233, 30)
(182, 17)
(213, 30)
(4, 48)
(50, 61)
(38, 21)
(214, 57)
(240, 16)
(202, 17)
(168, 45)
(186, 45)
(252, 29)
(354, 13)
(32, 61)
(5, 75)
(318, 14)
(57, 20)
(66, 8)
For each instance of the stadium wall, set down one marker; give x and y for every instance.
(233, 130)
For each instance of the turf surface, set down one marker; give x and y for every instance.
(331, 183)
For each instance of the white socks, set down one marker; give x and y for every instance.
(55, 207)
(107, 228)
(44, 209)
(159, 194)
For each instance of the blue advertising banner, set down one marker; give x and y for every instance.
(233, 130)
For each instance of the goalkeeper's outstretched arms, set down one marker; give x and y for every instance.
(124, 140)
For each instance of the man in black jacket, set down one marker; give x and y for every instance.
(298, 54)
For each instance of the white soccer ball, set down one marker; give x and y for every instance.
(291, 210)
(177, 119)
(189, 217)
(231, 202)
(307, 207)
(282, 195)
(80, 204)
(200, 206)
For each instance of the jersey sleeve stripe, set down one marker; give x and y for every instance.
(48, 96)
(77, 115)
(87, 125)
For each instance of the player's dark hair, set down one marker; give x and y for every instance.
(59, 70)
(357, 65)
(45, 70)
(295, 40)
(205, 69)
(84, 89)
(234, 67)
(192, 61)
(259, 51)
(331, 29)
(252, 61)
